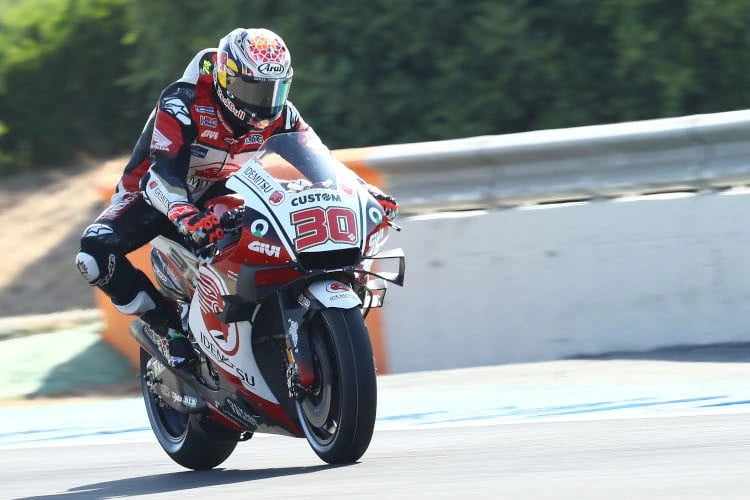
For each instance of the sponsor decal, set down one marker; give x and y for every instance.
(375, 215)
(210, 298)
(159, 141)
(258, 179)
(157, 367)
(376, 240)
(342, 296)
(222, 358)
(241, 413)
(120, 203)
(207, 172)
(264, 248)
(184, 400)
(337, 287)
(242, 375)
(210, 134)
(172, 274)
(293, 333)
(206, 67)
(152, 184)
(272, 69)
(347, 189)
(161, 196)
(315, 197)
(97, 230)
(206, 110)
(229, 105)
(175, 107)
(198, 151)
(303, 301)
(292, 117)
(161, 276)
(254, 139)
(197, 184)
(276, 198)
(211, 289)
(259, 228)
(207, 121)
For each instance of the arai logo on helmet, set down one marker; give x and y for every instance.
(272, 69)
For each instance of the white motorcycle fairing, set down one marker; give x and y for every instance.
(228, 344)
(334, 294)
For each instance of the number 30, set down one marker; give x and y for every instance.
(316, 225)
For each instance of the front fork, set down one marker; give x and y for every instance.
(295, 308)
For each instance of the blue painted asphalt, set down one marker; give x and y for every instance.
(398, 408)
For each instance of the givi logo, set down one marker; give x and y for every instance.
(264, 248)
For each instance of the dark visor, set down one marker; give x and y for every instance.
(263, 98)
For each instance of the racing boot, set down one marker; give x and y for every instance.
(164, 321)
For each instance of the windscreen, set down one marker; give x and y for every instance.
(300, 158)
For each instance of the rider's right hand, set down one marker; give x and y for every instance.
(201, 227)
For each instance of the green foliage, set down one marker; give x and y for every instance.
(59, 65)
(81, 75)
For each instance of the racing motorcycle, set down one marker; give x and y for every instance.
(276, 312)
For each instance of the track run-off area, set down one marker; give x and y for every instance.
(668, 426)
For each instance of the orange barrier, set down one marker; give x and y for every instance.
(116, 325)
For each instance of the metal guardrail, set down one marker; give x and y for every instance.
(603, 161)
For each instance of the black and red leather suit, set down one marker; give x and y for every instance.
(186, 151)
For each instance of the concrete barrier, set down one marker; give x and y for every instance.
(533, 282)
(545, 283)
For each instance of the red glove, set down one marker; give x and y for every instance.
(201, 227)
(387, 202)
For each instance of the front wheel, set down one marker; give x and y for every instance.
(338, 416)
(187, 439)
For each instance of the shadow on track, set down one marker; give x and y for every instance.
(176, 481)
(730, 352)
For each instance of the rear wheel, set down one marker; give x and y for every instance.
(189, 439)
(338, 416)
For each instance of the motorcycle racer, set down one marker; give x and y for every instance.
(229, 100)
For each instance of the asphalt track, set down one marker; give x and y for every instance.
(568, 429)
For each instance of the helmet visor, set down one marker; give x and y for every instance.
(262, 98)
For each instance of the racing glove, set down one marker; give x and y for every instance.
(200, 227)
(387, 202)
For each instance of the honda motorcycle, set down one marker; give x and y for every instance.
(276, 311)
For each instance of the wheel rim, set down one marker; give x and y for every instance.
(173, 423)
(321, 408)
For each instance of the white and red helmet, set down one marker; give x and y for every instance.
(253, 75)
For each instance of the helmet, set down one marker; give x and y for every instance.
(252, 76)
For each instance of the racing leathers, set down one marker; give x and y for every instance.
(186, 151)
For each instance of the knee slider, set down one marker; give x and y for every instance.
(88, 267)
(98, 254)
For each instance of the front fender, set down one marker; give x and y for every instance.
(334, 294)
